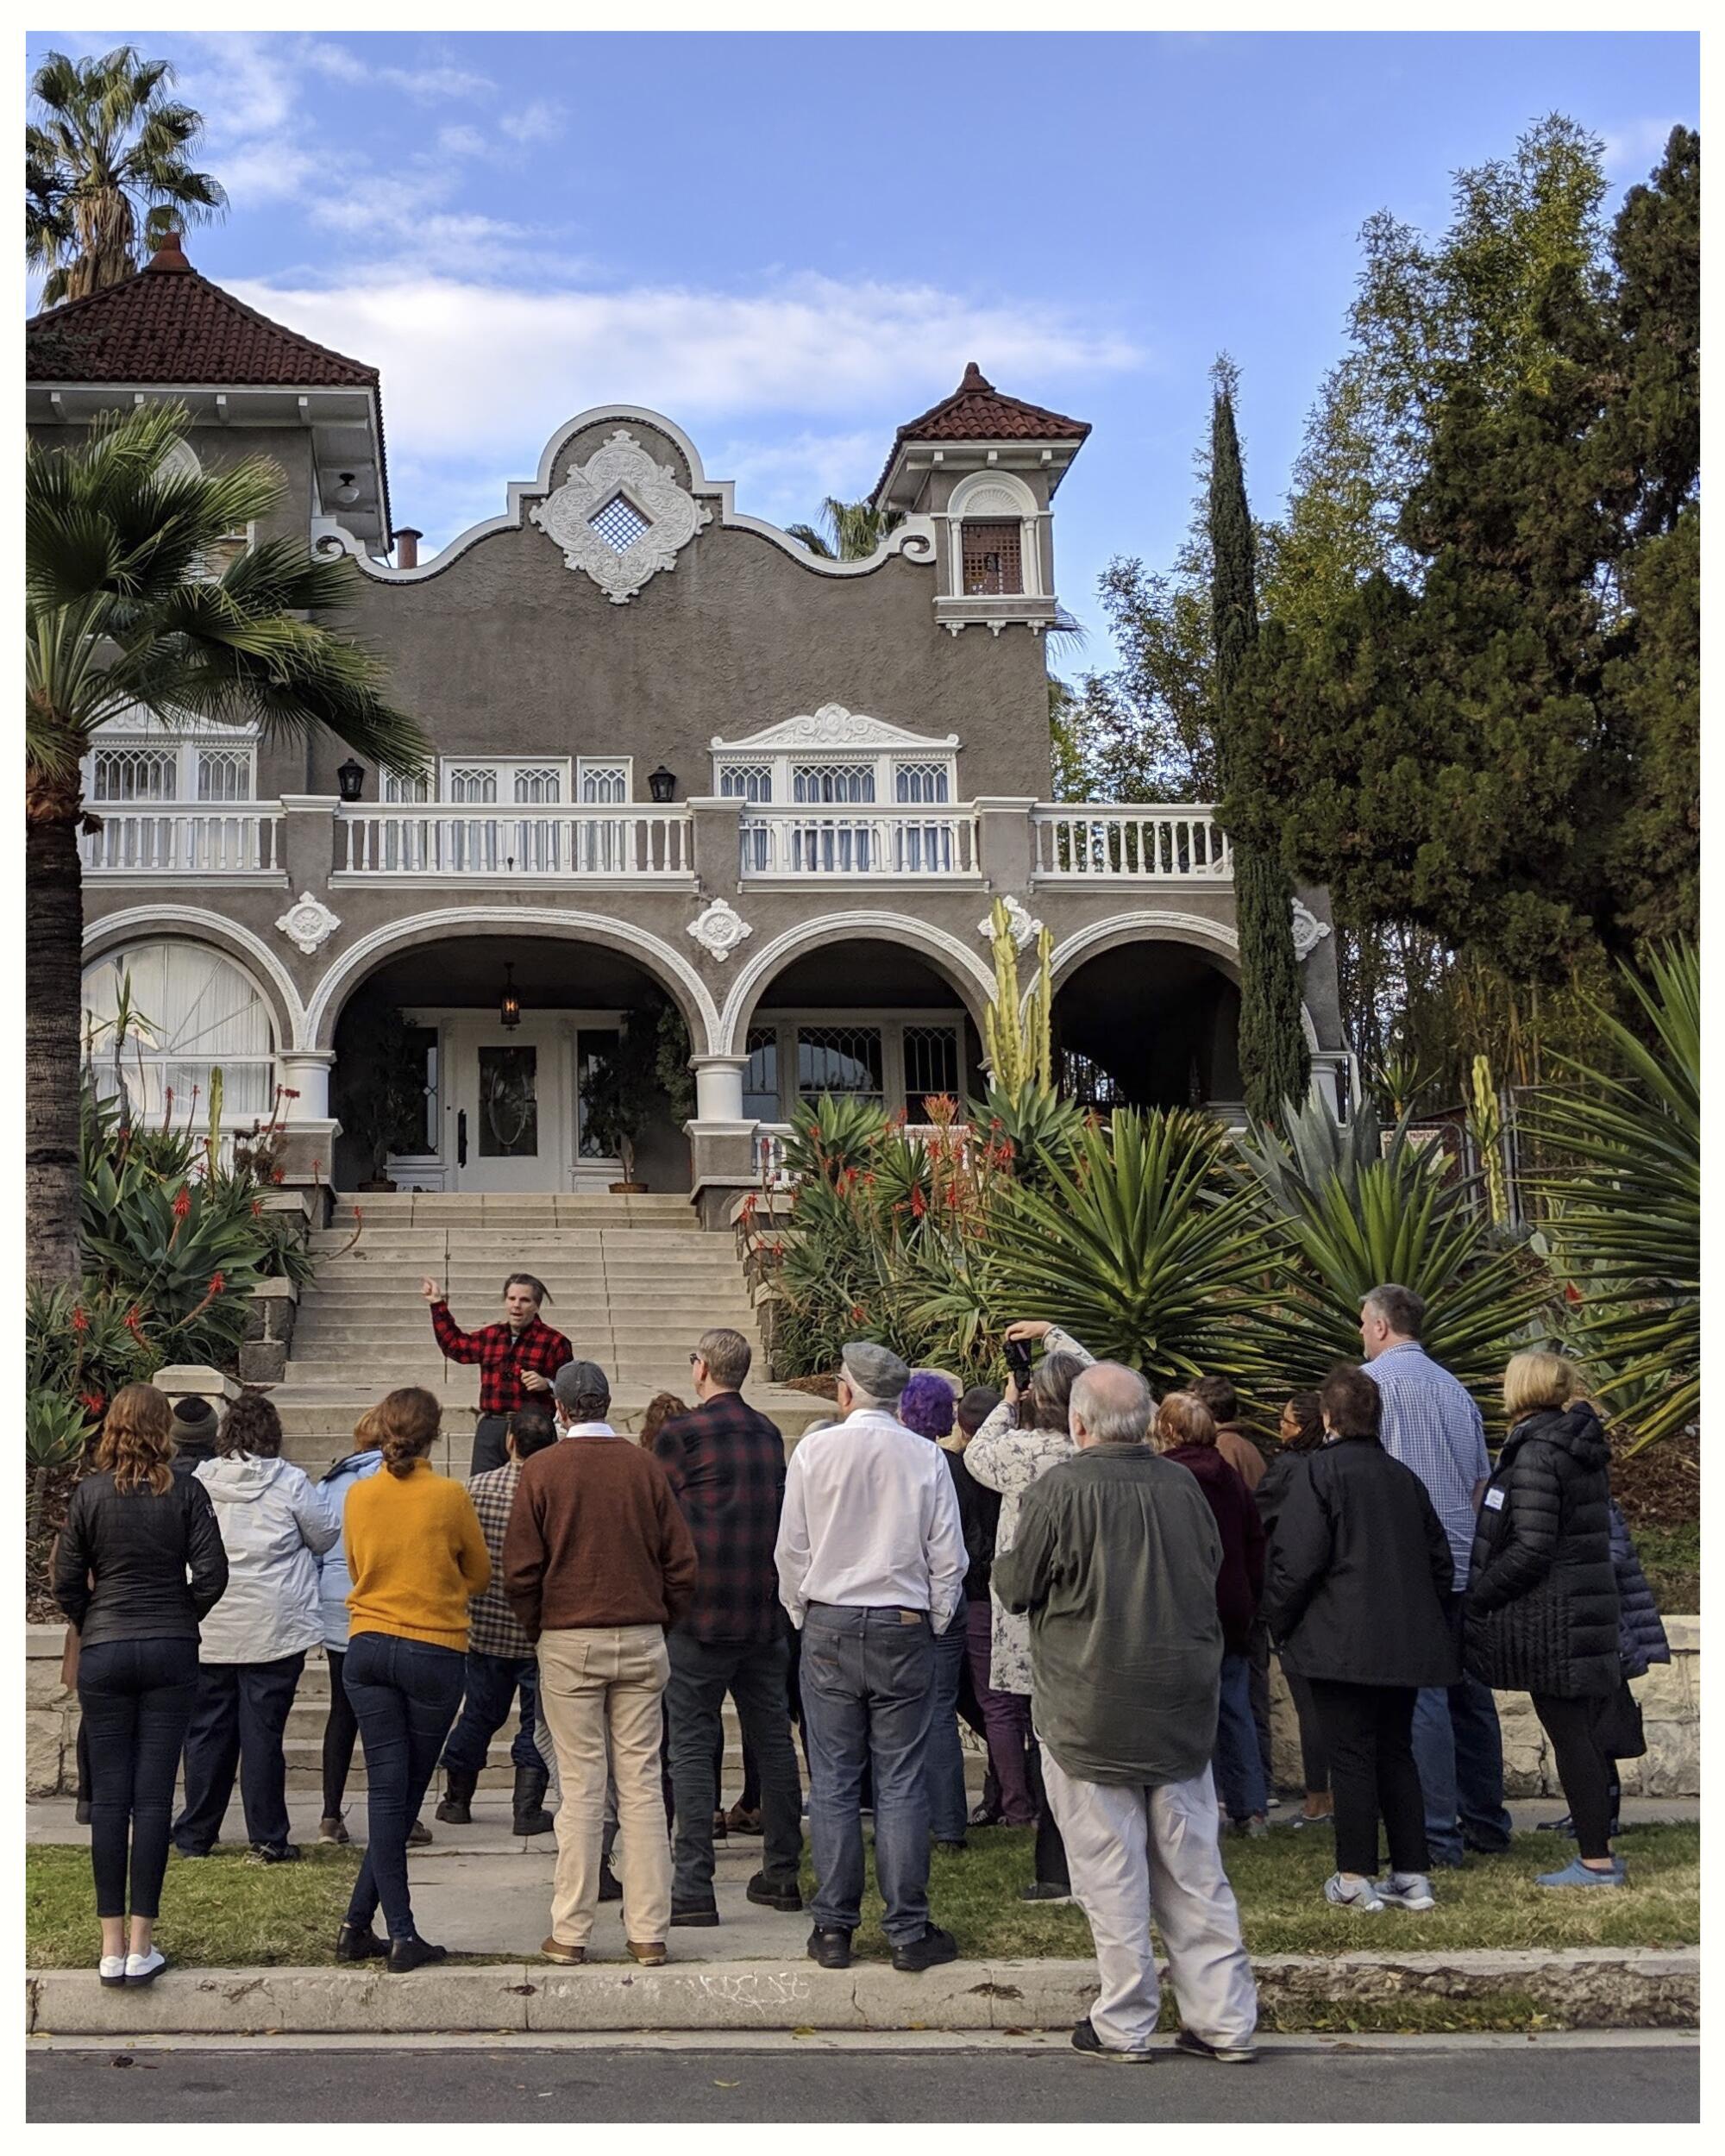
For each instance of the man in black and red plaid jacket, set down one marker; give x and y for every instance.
(726, 1465)
(517, 1357)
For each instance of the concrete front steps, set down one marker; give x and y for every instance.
(632, 1283)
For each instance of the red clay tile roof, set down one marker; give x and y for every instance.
(169, 324)
(977, 411)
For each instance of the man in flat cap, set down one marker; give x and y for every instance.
(871, 1564)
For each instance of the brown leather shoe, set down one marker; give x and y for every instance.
(650, 1954)
(554, 1949)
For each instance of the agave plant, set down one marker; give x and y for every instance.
(1139, 1249)
(1354, 1212)
(1630, 1230)
(1040, 1127)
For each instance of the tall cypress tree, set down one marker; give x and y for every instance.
(1274, 1060)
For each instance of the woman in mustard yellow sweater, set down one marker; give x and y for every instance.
(417, 1554)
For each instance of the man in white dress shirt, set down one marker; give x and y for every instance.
(871, 1564)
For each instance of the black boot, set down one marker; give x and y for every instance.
(530, 1815)
(458, 1796)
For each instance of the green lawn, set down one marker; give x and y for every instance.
(222, 1912)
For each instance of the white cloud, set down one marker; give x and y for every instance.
(462, 141)
(426, 85)
(477, 373)
(539, 122)
(1633, 150)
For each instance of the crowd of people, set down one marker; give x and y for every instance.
(1091, 1579)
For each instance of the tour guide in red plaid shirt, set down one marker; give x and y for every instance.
(519, 1356)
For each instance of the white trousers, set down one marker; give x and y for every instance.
(1136, 1851)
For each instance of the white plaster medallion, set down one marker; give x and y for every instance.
(309, 923)
(621, 516)
(1309, 931)
(1025, 930)
(719, 929)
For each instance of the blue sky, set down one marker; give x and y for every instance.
(790, 244)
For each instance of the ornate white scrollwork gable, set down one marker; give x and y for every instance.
(621, 516)
(833, 727)
(1309, 931)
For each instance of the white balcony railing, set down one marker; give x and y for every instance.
(187, 838)
(1091, 840)
(441, 838)
(859, 841)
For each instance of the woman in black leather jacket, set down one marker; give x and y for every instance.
(140, 1562)
(1542, 1597)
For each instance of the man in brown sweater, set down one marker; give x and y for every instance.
(598, 1565)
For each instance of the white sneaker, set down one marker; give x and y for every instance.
(1406, 1890)
(112, 1969)
(1351, 1894)
(145, 1968)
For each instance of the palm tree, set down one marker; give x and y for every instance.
(121, 617)
(854, 530)
(107, 169)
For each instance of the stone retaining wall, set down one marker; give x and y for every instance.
(1670, 1697)
(1670, 1694)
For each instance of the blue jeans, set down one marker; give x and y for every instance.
(239, 1719)
(1459, 1749)
(491, 1680)
(404, 1694)
(1238, 1764)
(867, 1688)
(137, 1696)
(943, 1765)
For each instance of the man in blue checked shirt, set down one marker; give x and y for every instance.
(1432, 1423)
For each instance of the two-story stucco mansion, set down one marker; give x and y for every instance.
(672, 746)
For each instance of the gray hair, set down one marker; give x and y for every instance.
(1113, 1403)
(727, 1354)
(1400, 1308)
(861, 1393)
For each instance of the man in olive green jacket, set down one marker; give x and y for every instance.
(1115, 1559)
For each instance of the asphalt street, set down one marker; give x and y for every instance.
(1653, 2081)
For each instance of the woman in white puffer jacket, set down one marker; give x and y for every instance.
(253, 1645)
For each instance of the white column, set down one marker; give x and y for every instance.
(718, 1088)
(307, 1074)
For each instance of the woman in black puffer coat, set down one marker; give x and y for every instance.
(1542, 1605)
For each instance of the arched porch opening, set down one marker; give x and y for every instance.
(1150, 1024)
(491, 1061)
(859, 1016)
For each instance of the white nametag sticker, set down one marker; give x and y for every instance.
(1494, 1500)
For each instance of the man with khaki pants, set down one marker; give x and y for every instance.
(598, 1565)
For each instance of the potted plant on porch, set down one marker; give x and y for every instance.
(621, 1095)
(379, 1093)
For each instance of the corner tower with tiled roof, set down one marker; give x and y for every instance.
(985, 467)
(232, 367)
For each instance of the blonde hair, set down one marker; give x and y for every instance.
(137, 1439)
(1538, 1379)
(1182, 1419)
(408, 1421)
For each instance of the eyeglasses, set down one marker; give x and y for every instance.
(693, 1359)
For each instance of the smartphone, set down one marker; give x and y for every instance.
(1018, 1359)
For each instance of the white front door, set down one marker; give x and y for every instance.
(507, 1107)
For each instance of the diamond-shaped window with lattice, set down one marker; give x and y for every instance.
(620, 524)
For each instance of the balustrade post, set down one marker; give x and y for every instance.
(309, 831)
(716, 860)
(1005, 841)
